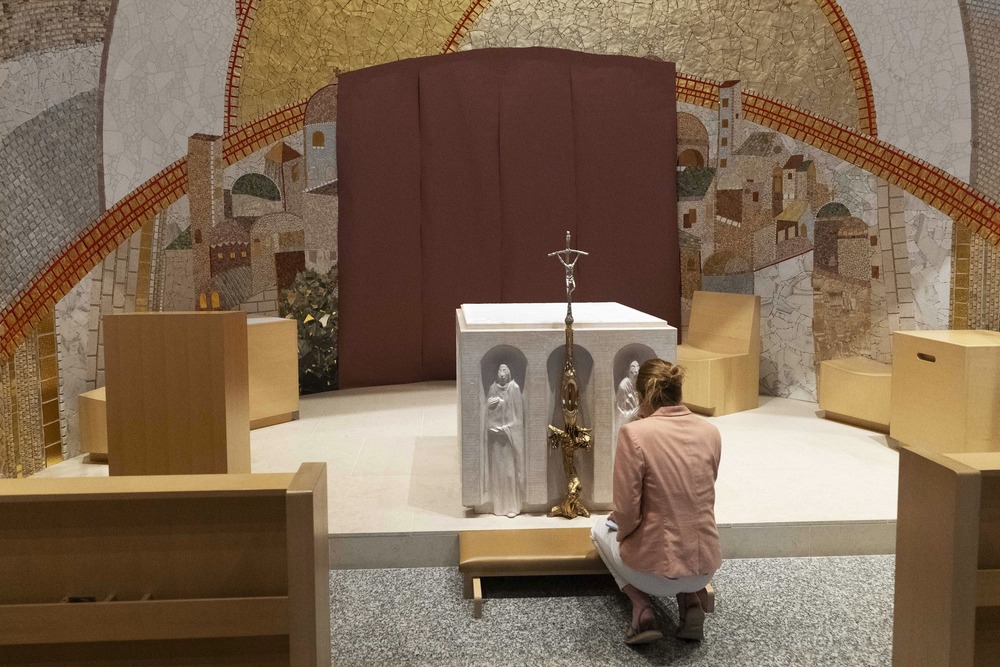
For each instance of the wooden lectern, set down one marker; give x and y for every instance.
(273, 347)
(177, 393)
(947, 603)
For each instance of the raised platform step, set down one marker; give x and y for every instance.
(790, 482)
(768, 540)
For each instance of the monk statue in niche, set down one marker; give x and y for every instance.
(626, 401)
(504, 474)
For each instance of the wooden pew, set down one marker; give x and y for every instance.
(166, 570)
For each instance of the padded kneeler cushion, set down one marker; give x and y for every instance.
(528, 551)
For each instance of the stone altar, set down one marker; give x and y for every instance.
(529, 338)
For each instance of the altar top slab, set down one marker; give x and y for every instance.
(535, 316)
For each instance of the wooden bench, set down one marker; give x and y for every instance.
(523, 553)
(166, 570)
(856, 390)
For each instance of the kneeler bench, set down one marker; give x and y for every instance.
(523, 553)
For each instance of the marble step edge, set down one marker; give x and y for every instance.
(751, 540)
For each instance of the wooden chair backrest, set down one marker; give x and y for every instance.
(725, 323)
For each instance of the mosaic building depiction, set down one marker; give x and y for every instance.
(196, 168)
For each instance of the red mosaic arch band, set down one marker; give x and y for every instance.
(72, 264)
(932, 185)
(463, 25)
(856, 61)
(250, 138)
(124, 219)
(700, 92)
(244, 19)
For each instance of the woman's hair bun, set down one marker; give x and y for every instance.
(659, 383)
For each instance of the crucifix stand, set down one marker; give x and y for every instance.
(572, 436)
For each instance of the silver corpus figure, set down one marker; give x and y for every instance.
(568, 258)
(505, 444)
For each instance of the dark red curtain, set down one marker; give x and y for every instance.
(459, 173)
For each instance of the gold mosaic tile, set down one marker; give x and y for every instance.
(50, 412)
(294, 49)
(47, 368)
(46, 345)
(49, 387)
(50, 434)
(53, 455)
(27, 412)
(8, 458)
(144, 273)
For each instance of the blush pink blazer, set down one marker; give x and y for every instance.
(664, 494)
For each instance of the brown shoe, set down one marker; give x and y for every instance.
(706, 596)
(692, 615)
(646, 633)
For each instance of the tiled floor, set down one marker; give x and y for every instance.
(393, 464)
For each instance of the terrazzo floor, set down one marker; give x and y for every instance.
(809, 612)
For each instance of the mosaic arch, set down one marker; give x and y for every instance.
(957, 199)
(692, 141)
(801, 51)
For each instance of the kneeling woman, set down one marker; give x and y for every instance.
(661, 538)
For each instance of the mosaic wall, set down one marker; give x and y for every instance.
(49, 168)
(839, 258)
(787, 48)
(34, 82)
(183, 68)
(34, 25)
(30, 437)
(294, 49)
(73, 319)
(50, 70)
(977, 285)
(165, 80)
(919, 68)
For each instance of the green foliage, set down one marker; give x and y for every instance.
(182, 242)
(312, 302)
(257, 185)
(694, 181)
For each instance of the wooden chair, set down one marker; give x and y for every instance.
(721, 353)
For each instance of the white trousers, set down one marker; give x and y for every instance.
(606, 541)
